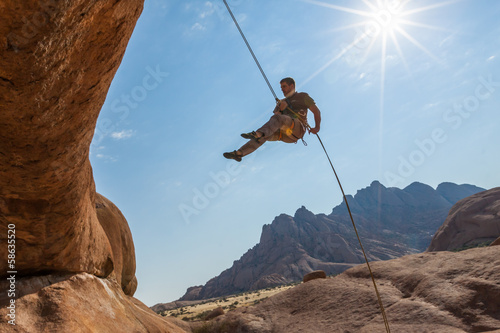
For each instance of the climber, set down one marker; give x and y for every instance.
(288, 124)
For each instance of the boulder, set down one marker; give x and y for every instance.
(471, 221)
(313, 276)
(118, 232)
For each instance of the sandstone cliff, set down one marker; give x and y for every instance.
(73, 262)
(392, 222)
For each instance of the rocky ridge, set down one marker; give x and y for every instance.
(433, 292)
(392, 222)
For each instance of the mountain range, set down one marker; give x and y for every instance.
(391, 223)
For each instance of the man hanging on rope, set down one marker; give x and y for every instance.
(288, 124)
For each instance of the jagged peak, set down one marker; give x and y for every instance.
(303, 214)
(395, 221)
(415, 194)
(453, 192)
(418, 186)
(376, 183)
(454, 185)
(375, 186)
(447, 184)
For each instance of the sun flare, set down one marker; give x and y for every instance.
(386, 19)
(380, 24)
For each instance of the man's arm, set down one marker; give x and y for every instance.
(317, 118)
(281, 106)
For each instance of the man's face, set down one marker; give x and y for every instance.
(287, 88)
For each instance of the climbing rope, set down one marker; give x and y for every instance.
(386, 322)
(251, 51)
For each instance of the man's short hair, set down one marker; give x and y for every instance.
(288, 81)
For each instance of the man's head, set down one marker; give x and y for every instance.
(287, 86)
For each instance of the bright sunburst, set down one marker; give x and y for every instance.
(384, 21)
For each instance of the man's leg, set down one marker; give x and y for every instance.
(270, 131)
(251, 146)
(274, 124)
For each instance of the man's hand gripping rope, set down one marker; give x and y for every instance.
(283, 105)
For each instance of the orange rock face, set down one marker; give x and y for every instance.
(80, 303)
(74, 262)
(57, 62)
(116, 228)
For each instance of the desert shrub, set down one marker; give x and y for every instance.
(472, 246)
(217, 327)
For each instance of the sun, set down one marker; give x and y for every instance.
(386, 17)
(382, 21)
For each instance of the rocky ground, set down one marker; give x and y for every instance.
(441, 292)
(199, 310)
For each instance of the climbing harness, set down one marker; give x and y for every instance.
(294, 115)
(386, 322)
(288, 132)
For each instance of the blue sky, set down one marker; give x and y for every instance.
(420, 104)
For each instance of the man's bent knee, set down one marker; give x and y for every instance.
(283, 119)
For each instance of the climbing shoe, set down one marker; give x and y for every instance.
(233, 156)
(251, 136)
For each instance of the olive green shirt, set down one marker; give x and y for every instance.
(299, 102)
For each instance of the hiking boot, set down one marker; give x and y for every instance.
(233, 156)
(251, 136)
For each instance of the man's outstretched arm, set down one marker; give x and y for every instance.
(317, 118)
